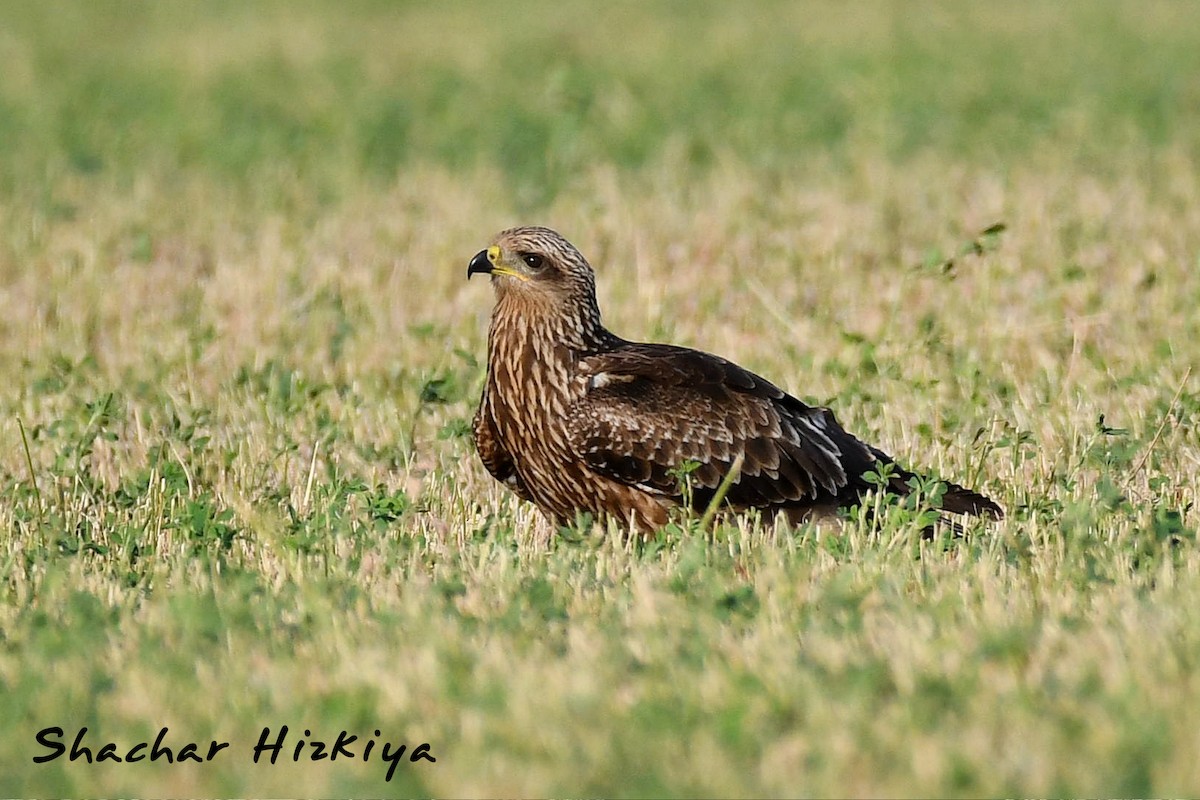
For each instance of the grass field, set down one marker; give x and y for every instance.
(239, 359)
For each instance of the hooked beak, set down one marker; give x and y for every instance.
(485, 262)
(480, 263)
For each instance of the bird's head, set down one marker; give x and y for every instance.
(536, 264)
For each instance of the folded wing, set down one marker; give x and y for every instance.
(652, 410)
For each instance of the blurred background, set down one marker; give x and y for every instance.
(176, 150)
(544, 91)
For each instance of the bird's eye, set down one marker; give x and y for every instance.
(533, 260)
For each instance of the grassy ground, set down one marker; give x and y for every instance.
(239, 358)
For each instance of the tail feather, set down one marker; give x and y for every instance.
(956, 500)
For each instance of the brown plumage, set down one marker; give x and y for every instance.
(575, 419)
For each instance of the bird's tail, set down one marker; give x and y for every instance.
(956, 500)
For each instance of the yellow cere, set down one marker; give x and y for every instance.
(493, 254)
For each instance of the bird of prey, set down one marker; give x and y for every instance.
(575, 419)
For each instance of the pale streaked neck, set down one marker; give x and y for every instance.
(518, 322)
